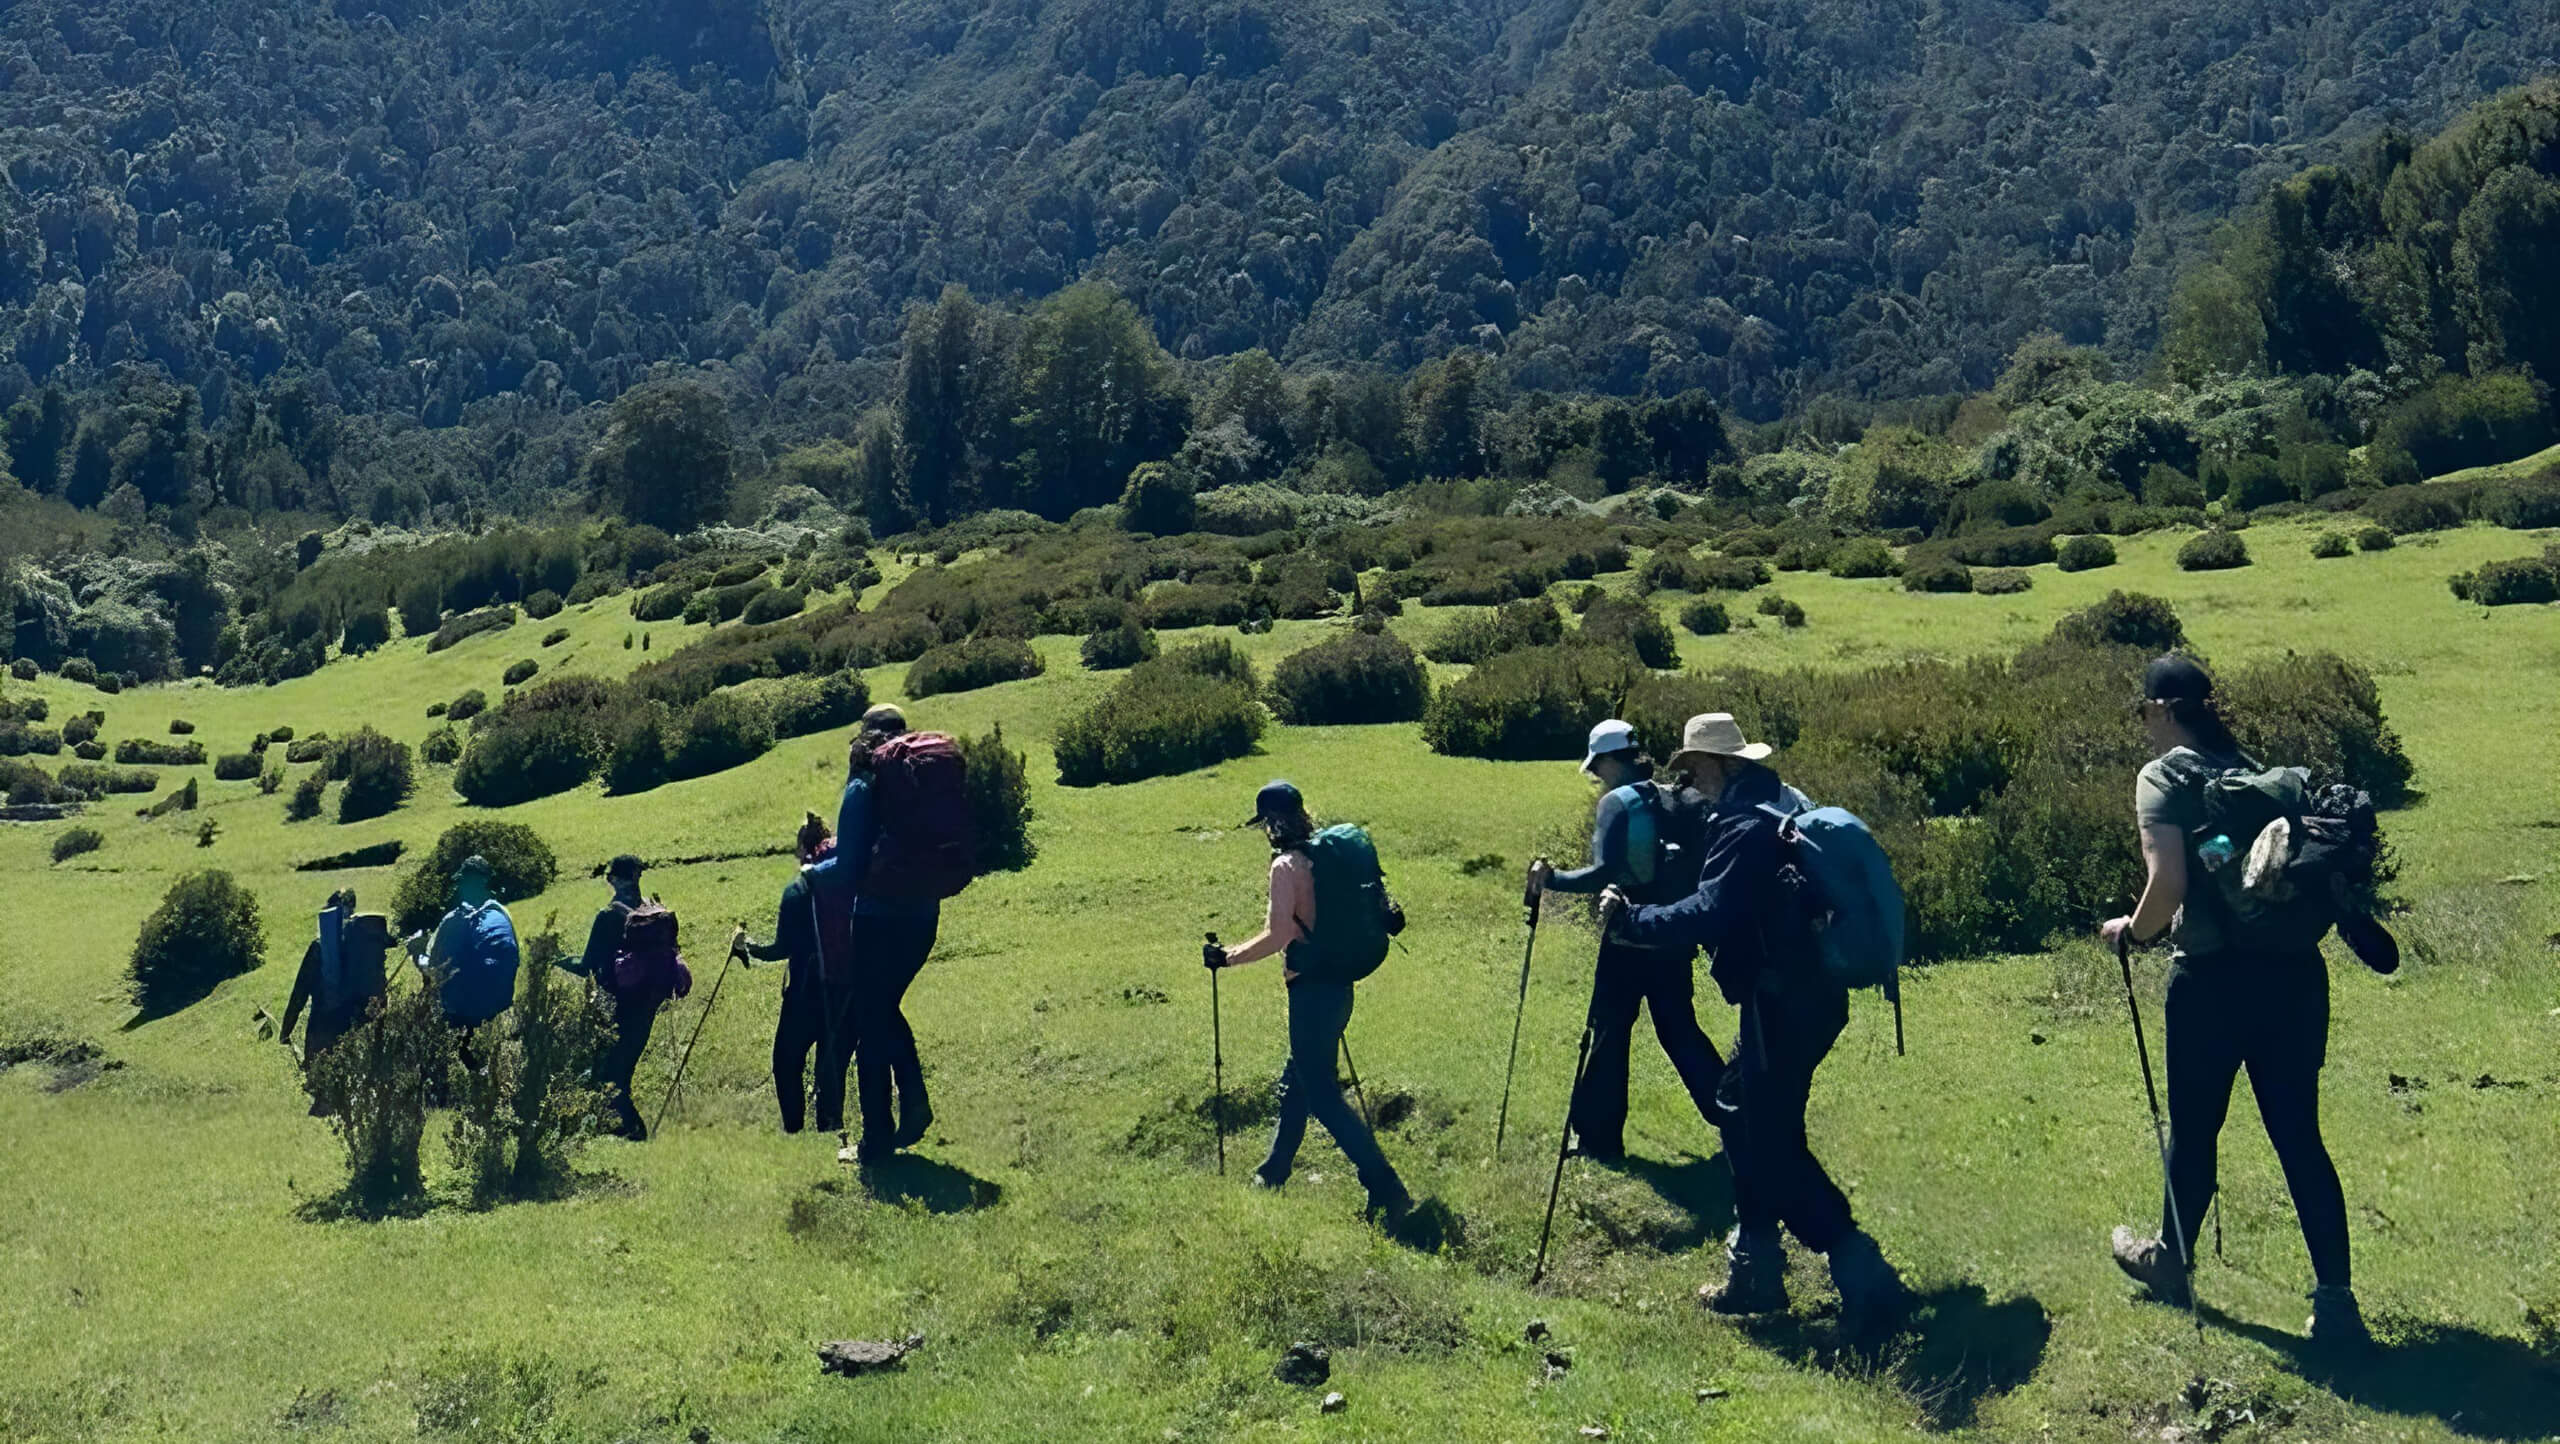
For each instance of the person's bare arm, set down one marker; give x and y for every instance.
(2164, 856)
(1292, 893)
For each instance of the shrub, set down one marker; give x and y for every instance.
(143, 752)
(521, 865)
(1935, 572)
(24, 783)
(2332, 544)
(970, 665)
(367, 628)
(2523, 580)
(2086, 554)
(1634, 625)
(31, 709)
(999, 786)
(91, 751)
(304, 804)
(25, 669)
(1217, 658)
(110, 683)
(376, 1084)
(724, 603)
(1161, 717)
(637, 757)
(2406, 510)
(721, 731)
(774, 605)
(803, 705)
(378, 775)
(1671, 570)
(1537, 703)
(314, 748)
(662, 604)
(2213, 551)
(1705, 618)
(471, 624)
(181, 727)
(1788, 613)
(1533, 622)
(2320, 711)
(2001, 582)
(1114, 648)
(2376, 539)
(542, 606)
(1352, 679)
(1175, 605)
(102, 781)
(237, 766)
(594, 586)
(467, 706)
(77, 841)
(1863, 556)
(2520, 505)
(17, 739)
(2024, 546)
(521, 672)
(270, 781)
(555, 636)
(536, 755)
(79, 669)
(205, 930)
(2124, 619)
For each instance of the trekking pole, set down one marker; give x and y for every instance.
(1529, 899)
(1564, 1141)
(2159, 1127)
(1356, 1090)
(1217, 1063)
(686, 1057)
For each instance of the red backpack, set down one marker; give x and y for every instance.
(926, 844)
(647, 961)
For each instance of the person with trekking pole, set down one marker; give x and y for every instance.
(631, 954)
(342, 973)
(474, 948)
(1331, 918)
(1769, 962)
(1644, 841)
(2248, 988)
(905, 842)
(812, 931)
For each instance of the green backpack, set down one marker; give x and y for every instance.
(1349, 939)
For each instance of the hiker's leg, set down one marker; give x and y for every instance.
(1599, 1111)
(1801, 1030)
(2200, 1052)
(1669, 992)
(635, 1016)
(2284, 1072)
(1318, 1014)
(835, 1057)
(914, 944)
(1290, 1128)
(872, 1004)
(792, 1036)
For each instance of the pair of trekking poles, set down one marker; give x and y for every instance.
(1218, 1065)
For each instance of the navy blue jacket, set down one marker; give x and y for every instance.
(1740, 913)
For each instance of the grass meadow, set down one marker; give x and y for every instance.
(1063, 1243)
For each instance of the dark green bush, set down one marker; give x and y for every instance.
(970, 665)
(24, 783)
(1160, 718)
(543, 605)
(2320, 711)
(1114, 648)
(180, 727)
(805, 705)
(377, 774)
(442, 748)
(519, 673)
(143, 752)
(79, 669)
(90, 751)
(314, 748)
(2520, 505)
(205, 931)
(1217, 658)
(1863, 556)
(1705, 618)
(1788, 613)
(637, 757)
(110, 683)
(17, 739)
(377, 1085)
(999, 786)
(724, 603)
(536, 755)
(278, 734)
(77, 841)
(1533, 704)
(367, 627)
(662, 604)
(1181, 604)
(2024, 546)
(2522, 580)
(102, 781)
(2332, 544)
(1634, 625)
(2213, 551)
(471, 624)
(594, 586)
(2001, 582)
(774, 605)
(721, 731)
(2086, 554)
(2406, 510)
(467, 706)
(1352, 679)
(2124, 619)
(2376, 539)
(1935, 572)
(237, 766)
(1530, 623)
(740, 573)
(304, 804)
(555, 636)
(25, 669)
(521, 865)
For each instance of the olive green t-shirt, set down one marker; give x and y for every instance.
(2170, 793)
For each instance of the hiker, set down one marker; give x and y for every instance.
(1767, 962)
(811, 931)
(340, 976)
(2238, 997)
(631, 954)
(1331, 918)
(903, 844)
(475, 946)
(1643, 840)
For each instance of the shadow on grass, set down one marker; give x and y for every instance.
(1699, 1187)
(2482, 1386)
(1956, 1348)
(350, 1204)
(1430, 1227)
(934, 1186)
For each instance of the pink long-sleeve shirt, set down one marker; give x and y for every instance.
(1293, 910)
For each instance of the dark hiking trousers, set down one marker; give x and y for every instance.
(805, 1026)
(634, 1015)
(1318, 1013)
(1627, 980)
(2270, 1015)
(1776, 1178)
(888, 951)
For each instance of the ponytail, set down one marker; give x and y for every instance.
(2203, 720)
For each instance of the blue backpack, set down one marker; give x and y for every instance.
(483, 959)
(1856, 906)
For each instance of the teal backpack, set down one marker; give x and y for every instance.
(1855, 904)
(1665, 846)
(1353, 912)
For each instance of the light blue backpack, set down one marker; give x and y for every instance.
(1856, 905)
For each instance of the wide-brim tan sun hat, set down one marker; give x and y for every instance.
(1716, 734)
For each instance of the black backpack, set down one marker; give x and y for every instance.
(2283, 862)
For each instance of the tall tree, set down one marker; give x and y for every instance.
(946, 372)
(1098, 397)
(667, 456)
(1443, 409)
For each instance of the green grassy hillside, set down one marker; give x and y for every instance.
(1078, 1270)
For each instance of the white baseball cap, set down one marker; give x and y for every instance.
(1609, 736)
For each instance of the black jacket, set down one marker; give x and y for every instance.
(1741, 913)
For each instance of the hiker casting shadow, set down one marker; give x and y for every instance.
(631, 954)
(474, 949)
(1328, 951)
(342, 973)
(811, 932)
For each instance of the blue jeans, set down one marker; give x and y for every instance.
(1318, 1012)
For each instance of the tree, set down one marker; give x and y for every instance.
(1618, 450)
(1442, 409)
(1253, 392)
(1098, 397)
(1158, 500)
(666, 457)
(1687, 435)
(946, 372)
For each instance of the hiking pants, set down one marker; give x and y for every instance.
(2269, 1014)
(888, 951)
(1318, 1012)
(1625, 981)
(634, 1015)
(1776, 1178)
(805, 1025)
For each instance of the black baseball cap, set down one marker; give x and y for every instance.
(2176, 678)
(626, 866)
(1276, 802)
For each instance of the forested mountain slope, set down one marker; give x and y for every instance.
(480, 211)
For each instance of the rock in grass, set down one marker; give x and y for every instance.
(1334, 1403)
(1305, 1363)
(852, 1357)
(1536, 1330)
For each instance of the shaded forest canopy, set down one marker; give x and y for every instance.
(400, 250)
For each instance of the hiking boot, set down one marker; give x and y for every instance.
(1755, 1277)
(1599, 1150)
(2154, 1265)
(1262, 1182)
(2336, 1320)
(912, 1131)
(1872, 1298)
(1389, 1210)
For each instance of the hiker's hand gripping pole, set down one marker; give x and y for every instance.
(1530, 897)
